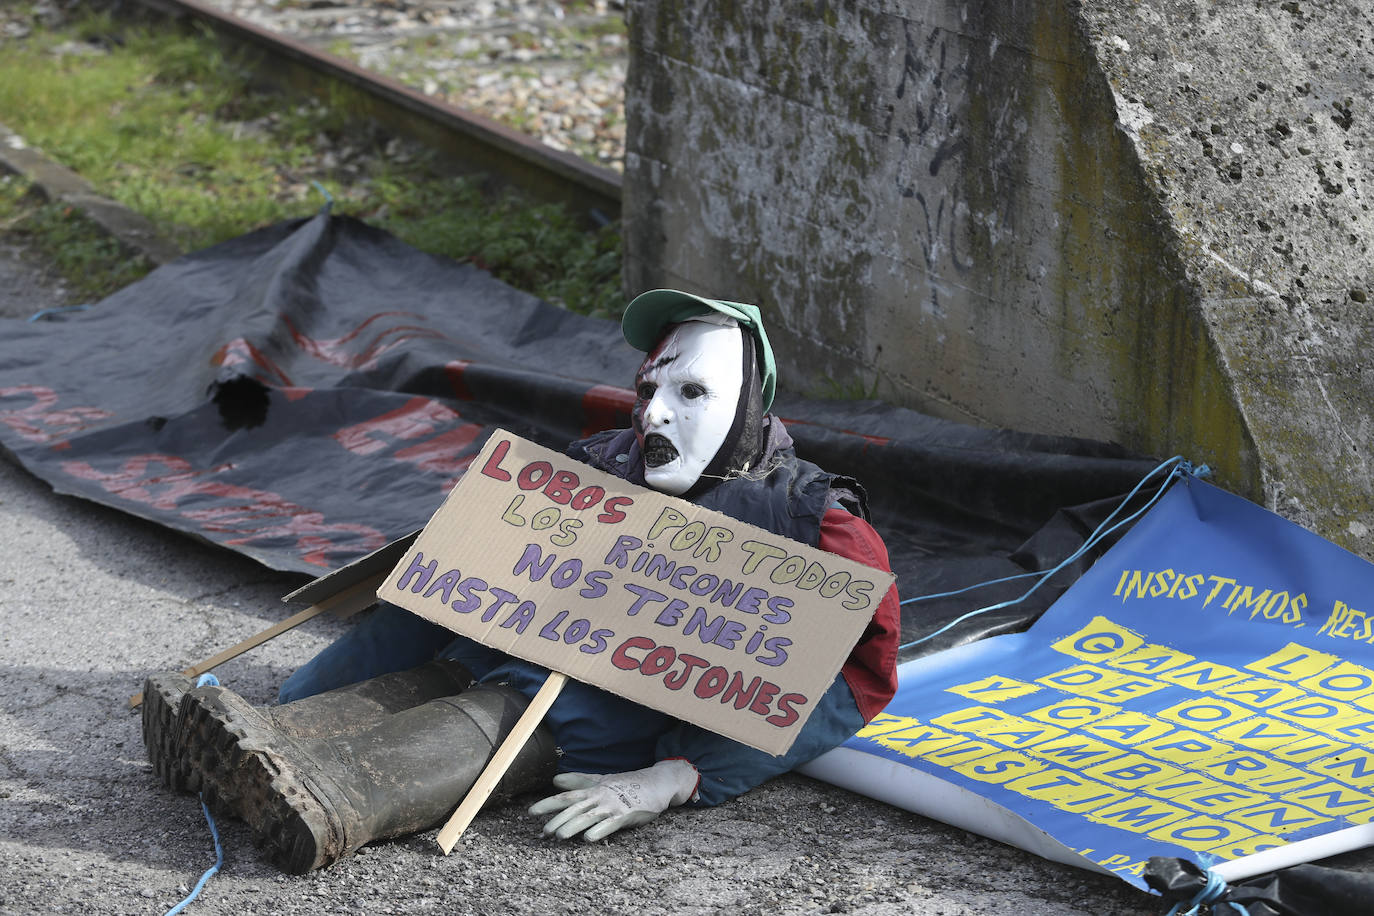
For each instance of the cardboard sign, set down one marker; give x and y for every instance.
(682, 609)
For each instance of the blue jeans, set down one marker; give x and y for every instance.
(597, 731)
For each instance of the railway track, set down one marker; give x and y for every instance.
(468, 142)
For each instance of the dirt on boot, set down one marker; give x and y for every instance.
(162, 694)
(311, 802)
(342, 711)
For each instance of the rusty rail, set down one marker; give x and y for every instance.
(468, 142)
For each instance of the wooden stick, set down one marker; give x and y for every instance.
(344, 604)
(501, 761)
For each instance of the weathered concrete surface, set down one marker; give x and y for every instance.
(1255, 124)
(994, 211)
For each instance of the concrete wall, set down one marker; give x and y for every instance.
(989, 211)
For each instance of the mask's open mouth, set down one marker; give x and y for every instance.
(658, 450)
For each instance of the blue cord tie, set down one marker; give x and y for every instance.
(210, 872)
(1177, 466)
(58, 310)
(1210, 893)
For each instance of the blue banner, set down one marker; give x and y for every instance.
(1204, 691)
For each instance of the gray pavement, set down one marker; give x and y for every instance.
(27, 284)
(91, 600)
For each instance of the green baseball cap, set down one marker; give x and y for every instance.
(649, 313)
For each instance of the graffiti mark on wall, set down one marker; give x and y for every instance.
(930, 121)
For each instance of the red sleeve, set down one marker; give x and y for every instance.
(871, 669)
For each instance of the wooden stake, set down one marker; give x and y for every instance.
(501, 761)
(344, 604)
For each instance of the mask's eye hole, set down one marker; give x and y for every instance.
(645, 391)
(692, 391)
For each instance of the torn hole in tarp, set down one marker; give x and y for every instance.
(242, 401)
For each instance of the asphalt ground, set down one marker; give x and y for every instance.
(91, 600)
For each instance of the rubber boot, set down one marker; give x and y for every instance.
(310, 802)
(341, 711)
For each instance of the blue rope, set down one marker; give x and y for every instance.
(210, 872)
(1176, 466)
(58, 310)
(1210, 893)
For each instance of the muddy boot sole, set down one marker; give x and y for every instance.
(267, 779)
(162, 693)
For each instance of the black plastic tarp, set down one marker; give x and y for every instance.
(1343, 887)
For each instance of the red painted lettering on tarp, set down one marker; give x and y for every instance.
(39, 422)
(336, 350)
(165, 482)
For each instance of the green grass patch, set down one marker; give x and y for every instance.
(166, 123)
(93, 264)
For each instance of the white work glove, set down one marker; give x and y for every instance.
(601, 805)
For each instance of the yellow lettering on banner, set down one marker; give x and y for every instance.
(883, 722)
(1257, 772)
(1138, 814)
(1262, 733)
(1073, 713)
(993, 689)
(1332, 798)
(972, 719)
(1293, 663)
(1272, 605)
(1278, 817)
(1201, 833)
(1184, 747)
(962, 752)
(1120, 862)
(1205, 713)
(1346, 622)
(1100, 683)
(1307, 749)
(1139, 583)
(1132, 771)
(1220, 799)
(1151, 659)
(1017, 732)
(1128, 727)
(917, 740)
(1247, 847)
(999, 768)
(1330, 717)
(1074, 678)
(1074, 750)
(1346, 681)
(1099, 639)
(1289, 781)
(1259, 691)
(1353, 766)
(1203, 676)
(1066, 790)
(1188, 782)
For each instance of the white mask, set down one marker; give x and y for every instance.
(686, 396)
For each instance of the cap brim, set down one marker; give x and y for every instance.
(649, 313)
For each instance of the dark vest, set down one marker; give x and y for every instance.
(790, 500)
